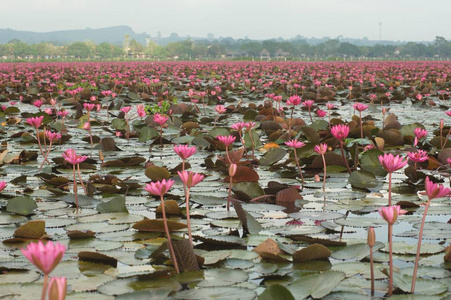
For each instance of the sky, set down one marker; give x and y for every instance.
(405, 20)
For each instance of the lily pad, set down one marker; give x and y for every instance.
(316, 286)
(21, 205)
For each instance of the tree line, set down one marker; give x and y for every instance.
(227, 48)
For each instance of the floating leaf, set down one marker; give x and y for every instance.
(244, 174)
(171, 208)
(108, 144)
(247, 190)
(21, 205)
(31, 230)
(276, 292)
(97, 258)
(269, 246)
(356, 251)
(272, 156)
(289, 195)
(158, 225)
(311, 252)
(250, 225)
(363, 179)
(115, 205)
(422, 286)
(186, 258)
(404, 248)
(221, 293)
(317, 285)
(370, 162)
(222, 277)
(125, 162)
(156, 173)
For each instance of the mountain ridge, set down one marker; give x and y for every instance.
(114, 35)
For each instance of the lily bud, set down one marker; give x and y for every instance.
(317, 178)
(384, 111)
(442, 123)
(57, 288)
(232, 170)
(371, 241)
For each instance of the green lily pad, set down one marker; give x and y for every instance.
(21, 205)
(404, 248)
(276, 292)
(363, 179)
(370, 162)
(317, 285)
(356, 251)
(422, 286)
(247, 190)
(272, 156)
(220, 293)
(115, 205)
(222, 277)
(147, 134)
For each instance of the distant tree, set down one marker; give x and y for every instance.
(348, 49)
(214, 50)
(79, 50)
(252, 48)
(442, 46)
(135, 48)
(105, 50)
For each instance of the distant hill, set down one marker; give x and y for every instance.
(114, 35)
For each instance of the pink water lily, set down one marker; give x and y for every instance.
(227, 140)
(70, 155)
(295, 144)
(392, 163)
(36, 122)
(3, 184)
(190, 179)
(185, 151)
(434, 190)
(159, 188)
(340, 132)
(390, 213)
(45, 257)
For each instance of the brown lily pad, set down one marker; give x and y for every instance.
(34, 229)
(311, 252)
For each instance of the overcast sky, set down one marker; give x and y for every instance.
(408, 20)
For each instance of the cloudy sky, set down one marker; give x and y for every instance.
(408, 20)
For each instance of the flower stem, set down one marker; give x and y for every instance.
(389, 189)
(75, 188)
(168, 235)
(420, 238)
(44, 287)
(291, 121)
(372, 271)
(188, 220)
(299, 167)
(81, 181)
(230, 193)
(344, 158)
(325, 173)
(390, 246)
(361, 125)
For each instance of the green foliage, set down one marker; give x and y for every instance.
(161, 107)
